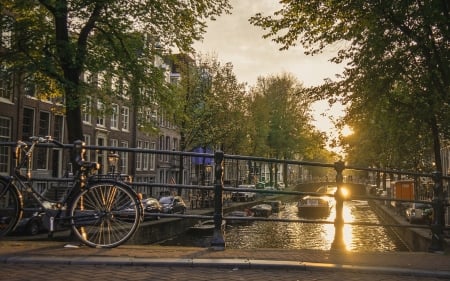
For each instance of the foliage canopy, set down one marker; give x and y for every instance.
(397, 55)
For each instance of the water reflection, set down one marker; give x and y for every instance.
(286, 235)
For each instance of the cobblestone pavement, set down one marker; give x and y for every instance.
(33, 260)
(13, 272)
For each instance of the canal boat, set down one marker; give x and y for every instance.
(277, 205)
(235, 217)
(205, 227)
(262, 210)
(314, 206)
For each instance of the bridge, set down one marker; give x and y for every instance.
(342, 176)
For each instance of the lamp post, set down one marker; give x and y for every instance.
(113, 160)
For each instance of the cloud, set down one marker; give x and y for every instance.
(233, 39)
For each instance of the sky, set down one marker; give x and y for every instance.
(231, 38)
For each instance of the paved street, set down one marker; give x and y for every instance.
(14, 272)
(25, 260)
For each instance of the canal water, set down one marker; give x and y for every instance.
(288, 235)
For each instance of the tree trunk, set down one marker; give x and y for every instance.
(436, 144)
(73, 117)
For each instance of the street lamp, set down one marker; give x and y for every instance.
(113, 159)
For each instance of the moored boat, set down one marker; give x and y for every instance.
(206, 226)
(262, 210)
(314, 206)
(236, 216)
(277, 205)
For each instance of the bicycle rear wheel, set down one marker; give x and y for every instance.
(10, 207)
(106, 215)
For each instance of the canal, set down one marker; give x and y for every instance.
(284, 235)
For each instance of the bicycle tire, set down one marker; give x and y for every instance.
(106, 214)
(10, 207)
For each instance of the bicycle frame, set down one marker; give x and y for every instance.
(101, 210)
(20, 182)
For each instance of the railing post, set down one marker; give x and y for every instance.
(218, 242)
(437, 225)
(338, 242)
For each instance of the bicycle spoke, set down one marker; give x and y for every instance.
(114, 211)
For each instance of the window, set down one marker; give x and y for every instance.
(100, 114)
(120, 85)
(161, 118)
(161, 147)
(145, 156)
(102, 80)
(142, 159)
(175, 144)
(123, 158)
(101, 159)
(6, 32)
(44, 130)
(148, 115)
(115, 117)
(27, 124)
(139, 156)
(114, 143)
(44, 124)
(41, 158)
(58, 128)
(152, 157)
(5, 135)
(125, 114)
(90, 78)
(86, 111)
(166, 156)
(6, 84)
(29, 87)
(124, 89)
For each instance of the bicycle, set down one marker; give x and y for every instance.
(93, 206)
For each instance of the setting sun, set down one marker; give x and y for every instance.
(344, 192)
(346, 131)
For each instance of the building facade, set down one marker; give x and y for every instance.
(24, 112)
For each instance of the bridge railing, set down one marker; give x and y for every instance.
(213, 176)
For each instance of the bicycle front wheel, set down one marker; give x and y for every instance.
(10, 207)
(106, 215)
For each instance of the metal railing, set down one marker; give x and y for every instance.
(242, 165)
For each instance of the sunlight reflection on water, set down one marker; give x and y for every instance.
(285, 235)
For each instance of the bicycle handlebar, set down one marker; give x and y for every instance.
(46, 139)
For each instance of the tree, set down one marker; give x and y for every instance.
(386, 135)
(63, 39)
(210, 103)
(281, 119)
(396, 52)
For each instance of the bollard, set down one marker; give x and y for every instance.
(218, 242)
(338, 242)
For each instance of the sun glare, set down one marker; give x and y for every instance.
(346, 131)
(344, 192)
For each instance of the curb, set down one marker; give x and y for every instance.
(244, 264)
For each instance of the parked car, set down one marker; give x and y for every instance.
(172, 204)
(281, 186)
(419, 213)
(244, 195)
(151, 205)
(269, 188)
